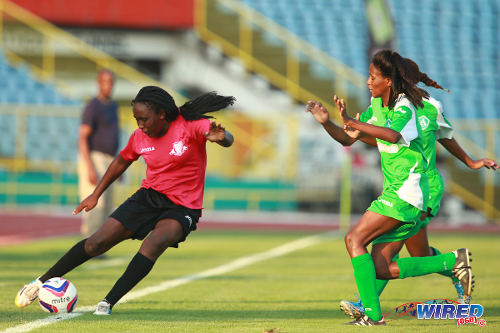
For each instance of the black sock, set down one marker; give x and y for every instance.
(138, 268)
(73, 258)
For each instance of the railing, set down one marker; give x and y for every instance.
(239, 32)
(287, 67)
(481, 195)
(52, 52)
(57, 57)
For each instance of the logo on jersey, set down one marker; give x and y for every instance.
(424, 122)
(388, 123)
(178, 148)
(145, 150)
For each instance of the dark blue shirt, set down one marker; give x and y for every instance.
(103, 118)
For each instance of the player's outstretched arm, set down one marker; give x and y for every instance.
(115, 170)
(456, 150)
(218, 134)
(383, 133)
(321, 115)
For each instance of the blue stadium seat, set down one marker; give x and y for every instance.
(456, 43)
(319, 23)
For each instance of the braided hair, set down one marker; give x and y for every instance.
(160, 100)
(418, 76)
(393, 66)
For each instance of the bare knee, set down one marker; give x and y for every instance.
(157, 242)
(354, 244)
(95, 246)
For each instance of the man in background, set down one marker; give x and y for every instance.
(97, 145)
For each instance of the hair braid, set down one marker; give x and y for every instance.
(417, 76)
(195, 109)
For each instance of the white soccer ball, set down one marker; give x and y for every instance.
(57, 295)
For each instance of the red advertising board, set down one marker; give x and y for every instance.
(135, 14)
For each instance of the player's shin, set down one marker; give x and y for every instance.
(138, 268)
(416, 266)
(365, 276)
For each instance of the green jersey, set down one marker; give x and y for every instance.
(403, 163)
(434, 127)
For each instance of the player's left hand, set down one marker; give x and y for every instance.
(216, 132)
(341, 106)
(484, 162)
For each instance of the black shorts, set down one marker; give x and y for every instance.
(146, 207)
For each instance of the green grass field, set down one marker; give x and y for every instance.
(298, 291)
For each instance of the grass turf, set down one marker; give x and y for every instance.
(296, 292)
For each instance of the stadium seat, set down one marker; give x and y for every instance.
(457, 45)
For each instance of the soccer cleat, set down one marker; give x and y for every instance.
(463, 271)
(462, 299)
(28, 293)
(354, 310)
(366, 321)
(103, 308)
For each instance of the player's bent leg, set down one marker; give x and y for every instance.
(371, 226)
(166, 233)
(383, 255)
(109, 234)
(418, 244)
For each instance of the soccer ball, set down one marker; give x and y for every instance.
(57, 295)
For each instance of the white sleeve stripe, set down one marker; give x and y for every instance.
(445, 131)
(409, 132)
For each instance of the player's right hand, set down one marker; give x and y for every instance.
(88, 203)
(353, 133)
(319, 112)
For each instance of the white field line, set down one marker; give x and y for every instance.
(226, 268)
(106, 263)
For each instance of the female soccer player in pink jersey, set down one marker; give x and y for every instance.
(171, 140)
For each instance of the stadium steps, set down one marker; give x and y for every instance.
(300, 76)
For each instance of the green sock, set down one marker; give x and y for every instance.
(416, 266)
(364, 274)
(380, 284)
(447, 273)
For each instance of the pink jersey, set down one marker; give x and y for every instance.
(176, 162)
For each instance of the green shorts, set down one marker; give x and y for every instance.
(436, 190)
(389, 204)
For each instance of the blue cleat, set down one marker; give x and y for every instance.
(354, 310)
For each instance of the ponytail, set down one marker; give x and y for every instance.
(196, 108)
(160, 100)
(418, 76)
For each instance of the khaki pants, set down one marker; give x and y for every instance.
(94, 219)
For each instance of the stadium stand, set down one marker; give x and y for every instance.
(460, 49)
(459, 39)
(43, 133)
(344, 37)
